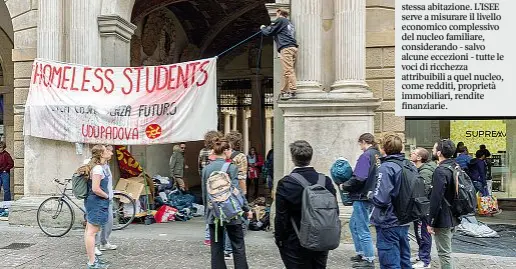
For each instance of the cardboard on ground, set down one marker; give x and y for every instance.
(132, 186)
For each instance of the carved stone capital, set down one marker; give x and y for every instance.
(114, 25)
(273, 7)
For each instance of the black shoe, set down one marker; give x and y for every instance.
(357, 258)
(363, 264)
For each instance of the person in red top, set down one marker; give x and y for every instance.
(6, 164)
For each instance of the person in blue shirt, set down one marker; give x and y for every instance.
(463, 158)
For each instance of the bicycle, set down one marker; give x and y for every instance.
(62, 215)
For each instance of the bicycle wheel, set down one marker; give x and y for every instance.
(55, 217)
(124, 210)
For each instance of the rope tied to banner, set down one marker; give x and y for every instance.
(239, 43)
(258, 64)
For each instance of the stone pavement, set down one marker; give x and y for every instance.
(169, 245)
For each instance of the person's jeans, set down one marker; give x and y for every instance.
(424, 241)
(103, 236)
(393, 247)
(207, 232)
(5, 182)
(443, 242)
(481, 188)
(359, 226)
(236, 236)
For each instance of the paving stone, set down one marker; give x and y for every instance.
(174, 245)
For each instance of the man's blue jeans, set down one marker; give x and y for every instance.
(5, 182)
(359, 226)
(393, 247)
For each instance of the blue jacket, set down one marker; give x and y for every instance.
(477, 170)
(463, 159)
(387, 188)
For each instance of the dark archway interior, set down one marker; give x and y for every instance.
(171, 31)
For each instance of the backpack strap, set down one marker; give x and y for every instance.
(322, 180)
(300, 179)
(455, 176)
(225, 167)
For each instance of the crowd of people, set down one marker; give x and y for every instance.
(373, 188)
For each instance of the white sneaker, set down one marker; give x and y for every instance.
(97, 252)
(108, 246)
(414, 259)
(420, 264)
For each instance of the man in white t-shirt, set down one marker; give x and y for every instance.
(102, 238)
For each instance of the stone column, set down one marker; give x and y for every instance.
(350, 46)
(51, 29)
(234, 120)
(84, 32)
(306, 16)
(245, 130)
(257, 112)
(269, 114)
(227, 120)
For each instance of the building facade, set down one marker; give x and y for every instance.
(345, 74)
(334, 97)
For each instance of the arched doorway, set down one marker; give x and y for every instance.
(6, 82)
(177, 31)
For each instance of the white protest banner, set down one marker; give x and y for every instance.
(122, 105)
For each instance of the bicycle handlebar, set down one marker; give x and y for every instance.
(66, 181)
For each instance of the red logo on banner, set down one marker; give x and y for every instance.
(153, 131)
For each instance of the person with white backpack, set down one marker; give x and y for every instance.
(225, 206)
(307, 224)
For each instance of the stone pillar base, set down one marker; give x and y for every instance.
(331, 122)
(345, 215)
(24, 211)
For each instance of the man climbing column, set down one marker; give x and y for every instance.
(283, 32)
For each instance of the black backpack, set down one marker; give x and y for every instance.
(465, 200)
(412, 203)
